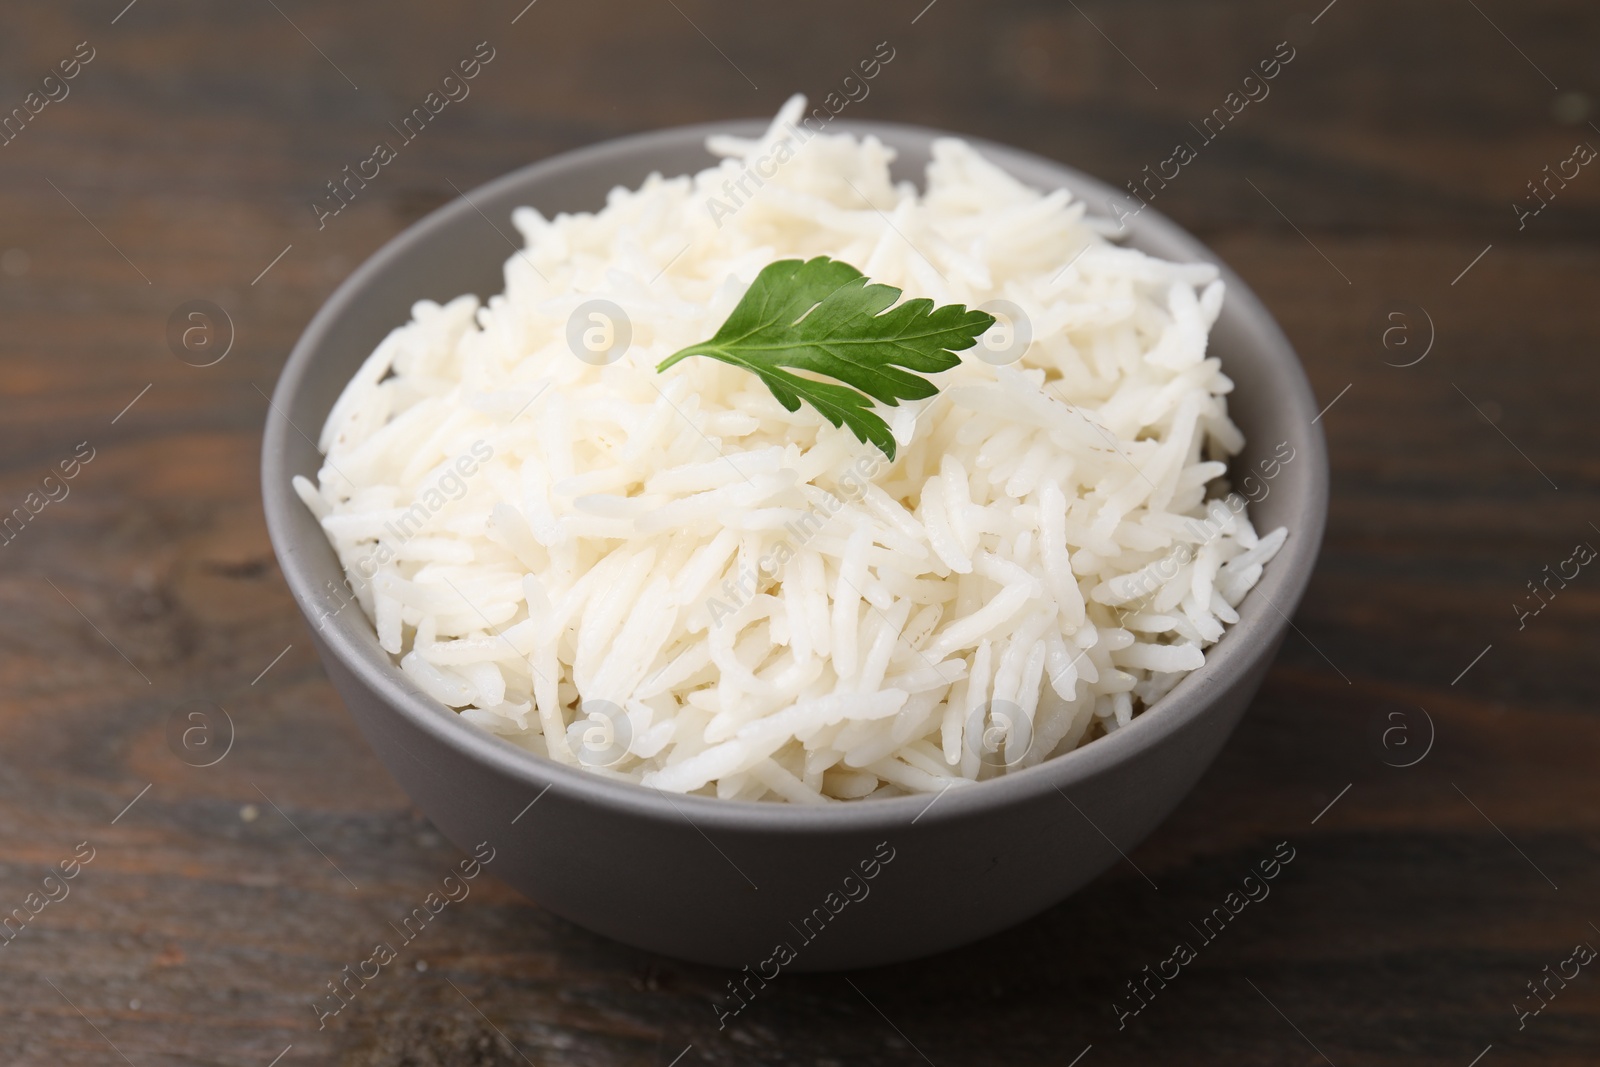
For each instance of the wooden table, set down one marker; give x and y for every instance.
(1374, 188)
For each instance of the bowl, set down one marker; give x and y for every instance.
(760, 885)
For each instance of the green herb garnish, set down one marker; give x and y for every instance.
(823, 316)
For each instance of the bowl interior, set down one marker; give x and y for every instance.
(462, 248)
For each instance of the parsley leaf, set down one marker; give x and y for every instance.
(823, 316)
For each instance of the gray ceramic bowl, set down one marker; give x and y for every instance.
(726, 882)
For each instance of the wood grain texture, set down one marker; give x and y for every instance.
(186, 158)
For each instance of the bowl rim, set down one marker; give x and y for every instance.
(1262, 622)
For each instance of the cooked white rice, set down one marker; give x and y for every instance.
(668, 578)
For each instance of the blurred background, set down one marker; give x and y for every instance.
(1412, 198)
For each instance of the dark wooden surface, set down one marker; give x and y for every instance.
(1396, 141)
